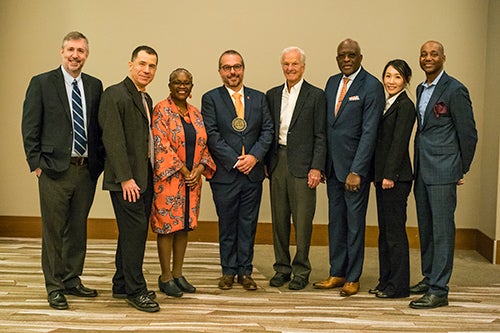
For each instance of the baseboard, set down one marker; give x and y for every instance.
(207, 231)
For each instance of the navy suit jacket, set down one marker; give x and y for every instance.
(392, 158)
(306, 135)
(225, 143)
(352, 133)
(445, 144)
(47, 124)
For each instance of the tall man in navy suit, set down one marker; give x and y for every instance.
(445, 143)
(355, 101)
(240, 131)
(295, 163)
(63, 147)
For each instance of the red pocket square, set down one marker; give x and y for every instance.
(440, 109)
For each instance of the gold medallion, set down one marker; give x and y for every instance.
(239, 124)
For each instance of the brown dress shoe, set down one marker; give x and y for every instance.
(331, 282)
(349, 289)
(247, 282)
(226, 282)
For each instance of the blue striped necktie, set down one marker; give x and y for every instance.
(78, 122)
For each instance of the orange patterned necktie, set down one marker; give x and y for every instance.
(240, 110)
(342, 94)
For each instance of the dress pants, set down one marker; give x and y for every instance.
(436, 226)
(133, 220)
(237, 206)
(65, 204)
(346, 228)
(393, 252)
(291, 197)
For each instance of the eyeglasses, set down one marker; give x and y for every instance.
(227, 68)
(180, 83)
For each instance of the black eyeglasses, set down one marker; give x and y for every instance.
(227, 68)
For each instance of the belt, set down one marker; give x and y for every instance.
(79, 160)
(282, 146)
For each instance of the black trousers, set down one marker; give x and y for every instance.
(393, 252)
(132, 219)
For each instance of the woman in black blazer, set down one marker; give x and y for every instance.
(393, 179)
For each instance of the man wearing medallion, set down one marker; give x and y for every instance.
(240, 131)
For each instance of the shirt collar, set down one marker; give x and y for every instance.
(68, 78)
(433, 83)
(353, 75)
(296, 87)
(393, 98)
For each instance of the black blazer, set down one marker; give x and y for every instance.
(47, 126)
(392, 157)
(225, 143)
(306, 137)
(125, 133)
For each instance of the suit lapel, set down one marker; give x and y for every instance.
(301, 99)
(394, 105)
(228, 101)
(136, 97)
(353, 90)
(436, 94)
(60, 87)
(88, 97)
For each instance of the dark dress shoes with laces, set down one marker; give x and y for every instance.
(81, 291)
(143, 303)
(429, 301)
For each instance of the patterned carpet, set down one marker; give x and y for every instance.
(23, 305)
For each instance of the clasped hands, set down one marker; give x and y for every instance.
(192, 178)
(245, 163)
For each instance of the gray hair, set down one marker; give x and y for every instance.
(294, 49)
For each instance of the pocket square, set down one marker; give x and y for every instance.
(354, 98)
(439, 109)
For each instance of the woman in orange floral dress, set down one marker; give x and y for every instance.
(181, 157)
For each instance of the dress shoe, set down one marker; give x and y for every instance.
(279, 279)
(374, 291)
(169, 288)
(419, 288)
(184, 285)
(151, 294)
(388, 294)
(349, 289)
(143, 303)
(81, 291)
(247, 282)
(429, 301)
(226, 282)
(331, 282)
(298, 283)
(57, 300)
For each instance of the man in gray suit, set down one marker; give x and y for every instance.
(63, 146)
(298, 112)
(445, 143)
(125, 118)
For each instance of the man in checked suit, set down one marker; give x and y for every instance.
(445, 143)
(299, 117)
(240, 131)
(125, 119)
(63, 147)
(355, 101)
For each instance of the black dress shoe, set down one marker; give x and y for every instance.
(387, 294)
(151, 294)
(429, 301)
(298, 283)
(169, 288)
(57, 300)
(279, 279)
(374, 291)
(419, 288)
(81, 291)
(184, 285)
(143, 303)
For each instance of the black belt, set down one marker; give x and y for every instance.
(282, 146)
(79, 160)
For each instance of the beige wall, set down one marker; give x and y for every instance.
(192, 34)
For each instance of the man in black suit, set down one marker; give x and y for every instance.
(63, 146)
(445, 144)
(125, 118)
(240, 131)
(299, 117)
(354, 102)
